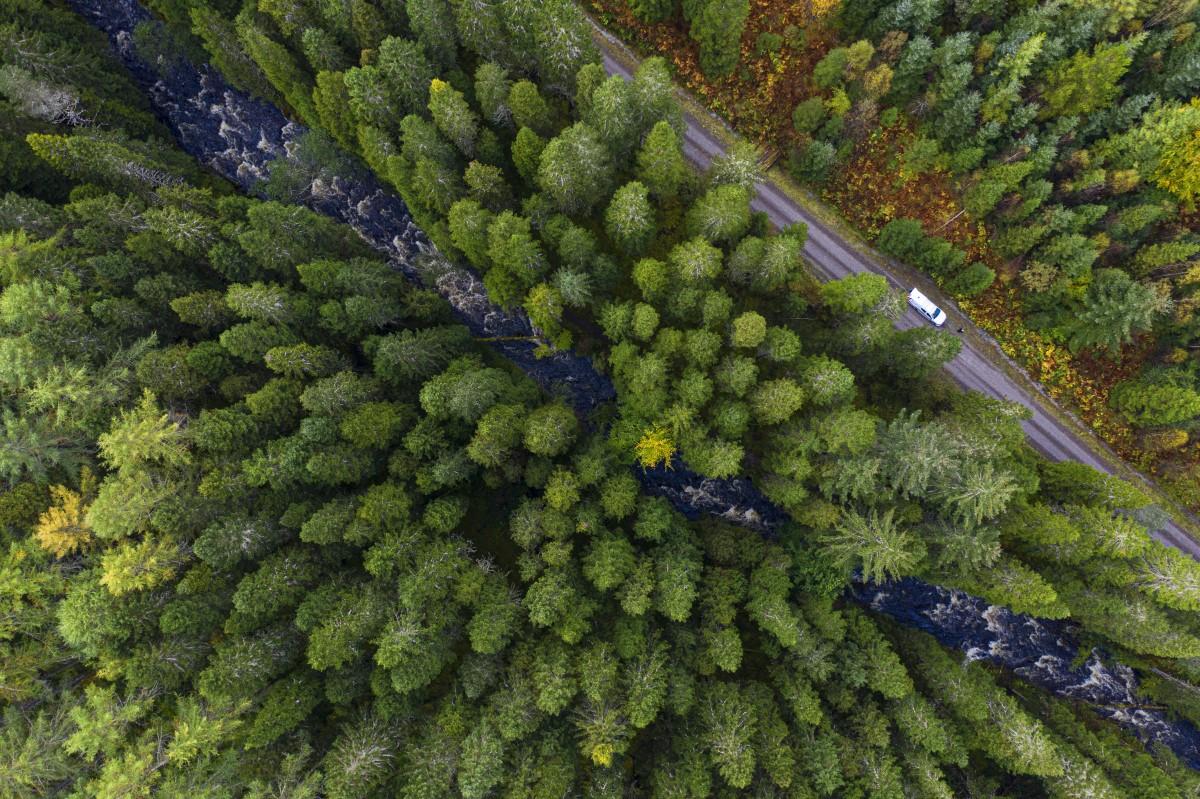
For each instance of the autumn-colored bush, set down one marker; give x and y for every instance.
(871, 186)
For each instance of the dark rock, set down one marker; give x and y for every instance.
(1039, 651)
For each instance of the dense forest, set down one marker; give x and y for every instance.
(1040, 159)
(276, 524)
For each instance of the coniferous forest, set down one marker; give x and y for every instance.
(1041, 161)
(276, 522)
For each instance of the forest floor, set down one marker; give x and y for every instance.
(1005, 364)
(869, 190)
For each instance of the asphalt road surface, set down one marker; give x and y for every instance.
(972, 369)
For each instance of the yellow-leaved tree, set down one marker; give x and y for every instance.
(819, 9)
(139, 565)
(63, 529)
(1179, 166)
(655, 447)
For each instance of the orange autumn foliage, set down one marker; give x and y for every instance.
(868, 188)
(759, 97)
(823, 8)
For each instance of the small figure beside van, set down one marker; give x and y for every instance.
(926, 308)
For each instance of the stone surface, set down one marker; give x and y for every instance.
(1038, 651)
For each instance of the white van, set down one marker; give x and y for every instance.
(926, 308)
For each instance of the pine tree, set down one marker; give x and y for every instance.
(1177, 166)
(774, 401)
(886, 551)
(855, 295)
(492, 88)
(809, 115)
(280, 68)
(335, 106)
(613, 115)
(1145, 403)
(529, 109)
(323, 52)
(361, 759)
(1115, 309)
(921, 351)
(729, 727)
(629, 220)
(433, 24)
(469, 222)
(229, 56)
(369, 98)
(721, 215)
(483, 761)
(527, 152)
(109, 159)
(653, 10)
(737, 167)
(660, 164)
(544, 305)
(563, 41)
(576, 170)
(717, 27)
(453, 116)
(1086, 83)
(62, 529)
(590, 78)
(407, 75)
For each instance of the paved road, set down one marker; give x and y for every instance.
(834, 258)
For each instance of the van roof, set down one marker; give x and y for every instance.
(917, 298)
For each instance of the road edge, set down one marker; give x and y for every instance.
(903, 273)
